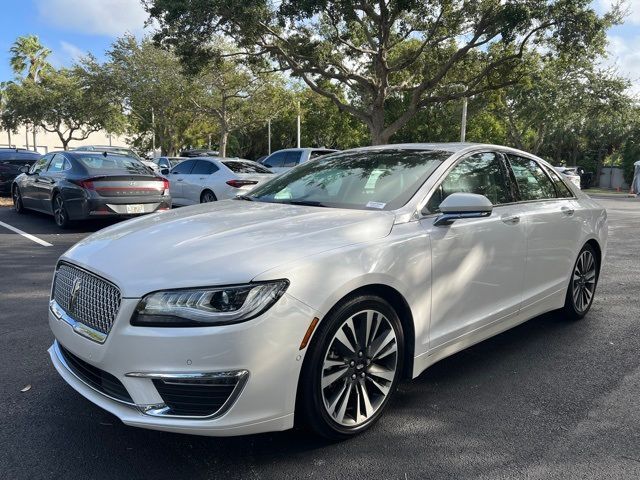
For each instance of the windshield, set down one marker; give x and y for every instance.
(111, 163)
(370, 179)
(245, 167)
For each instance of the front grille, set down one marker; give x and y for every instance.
(86, 298)
(94, 377)
(194, 398)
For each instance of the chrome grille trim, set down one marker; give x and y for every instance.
(87, 299)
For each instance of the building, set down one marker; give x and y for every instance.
(47, 141)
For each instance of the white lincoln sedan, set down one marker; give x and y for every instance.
(313, 295)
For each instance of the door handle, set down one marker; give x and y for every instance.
(567, 211)
(179, 180)
(203, 178)
(511, 219)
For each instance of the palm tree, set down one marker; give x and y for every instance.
(27, 53)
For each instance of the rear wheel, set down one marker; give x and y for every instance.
(60, 214)
(353, 368)
(582, 286)
(207, 197)
(18, 206)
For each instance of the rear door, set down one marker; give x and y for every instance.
(553, 229)
(176, 179)
(477, 264)
(196, 180)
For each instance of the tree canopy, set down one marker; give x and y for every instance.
(421, 52)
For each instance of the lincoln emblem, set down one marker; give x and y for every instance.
(75, 290)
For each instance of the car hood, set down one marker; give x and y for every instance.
(219, 243)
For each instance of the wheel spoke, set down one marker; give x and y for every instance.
(368, 409)
(333, 377)
(380, 343)
(344, 403)
(331, 407)
(342, 338)
(379, 372)
(382, 388)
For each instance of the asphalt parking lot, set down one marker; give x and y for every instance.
(548, 399)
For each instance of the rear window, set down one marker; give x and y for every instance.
(111, 163)
(245, 167)
(319, 153)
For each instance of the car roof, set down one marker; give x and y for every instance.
(18, 152)
(304, 149)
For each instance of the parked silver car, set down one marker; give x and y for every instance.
(285, 159)
(207, 179)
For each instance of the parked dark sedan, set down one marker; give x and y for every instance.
(11, 160)
(79, 185)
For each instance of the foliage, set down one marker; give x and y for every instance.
(420, 53)
(29, 58)
(62, 103)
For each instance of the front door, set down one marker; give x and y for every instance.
(176, 180)
(477, 264)
(30, 190)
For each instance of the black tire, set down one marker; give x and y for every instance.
(60, 215)
(312, 396)
(207, 197)
(18, 206)
(582, 283)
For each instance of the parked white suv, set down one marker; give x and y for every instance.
(283, 160)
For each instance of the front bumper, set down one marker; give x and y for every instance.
(267, 348)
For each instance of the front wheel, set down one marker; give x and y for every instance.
(582, 286)
(353, 367)
(18, 206)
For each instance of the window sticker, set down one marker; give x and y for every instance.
(378, 205)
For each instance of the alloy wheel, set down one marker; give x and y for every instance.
(17, 200)
(208, 197)
(359, 368)
(584, 281)
(59, 213)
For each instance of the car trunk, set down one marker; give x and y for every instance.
(126, 185)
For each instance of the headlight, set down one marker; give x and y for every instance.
(200, 307)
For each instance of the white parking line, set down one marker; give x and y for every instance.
(33, 238)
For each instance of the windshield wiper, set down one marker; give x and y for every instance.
(307, 203)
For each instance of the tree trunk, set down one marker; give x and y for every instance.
(35, 145)
(224, 137)
(65, 144)
(9, 137)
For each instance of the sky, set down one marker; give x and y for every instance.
(73, 27)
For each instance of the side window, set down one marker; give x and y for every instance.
(58, 164)
(164, 163)
(40, 164)
(204, 168)
(561, 189)
(276, 160)
(481, 173)
(184, 167)
(533, 183)
(318, 153)
(292, 159)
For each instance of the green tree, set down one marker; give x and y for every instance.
(149, 84)
(29, 57)
(61, 103)
(421, 52)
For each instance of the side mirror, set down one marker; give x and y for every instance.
(24, 169)
(164, 171)
(463, 205)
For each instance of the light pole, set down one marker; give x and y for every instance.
(298, 123)
(269, 136)
(463, 123)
